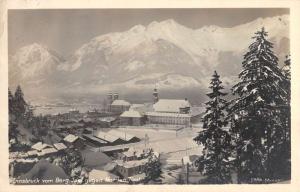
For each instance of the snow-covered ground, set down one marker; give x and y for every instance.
(173, 146)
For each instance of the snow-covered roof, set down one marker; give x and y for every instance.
(49, 151)
(120, 102)
(13, 155)
(142, 108)
(131, 113)
(95, 138)
(71, 138)
(170, 105)
(159, 114)
(122, 135)
(107, 119)
(129, 153)
(133, 106)
(106, 137)
(39, 146)
(34, 160)
(113, 135)
(130, 164)
(32, 152)
(59, 146)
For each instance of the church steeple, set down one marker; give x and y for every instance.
(155, 95)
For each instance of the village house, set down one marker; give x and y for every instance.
(129, 155)
(32, 153)
(107, 121)
(43, 150)
(73, 141)
(133, 154)
(49, 152)
(130, 168)
(60, 147)
(132, 118)
(20, 166)
(131, 163)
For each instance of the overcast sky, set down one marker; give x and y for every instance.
(66, 30)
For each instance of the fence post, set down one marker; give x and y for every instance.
(187, 173)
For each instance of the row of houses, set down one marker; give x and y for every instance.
(110, 137)
(44, 150)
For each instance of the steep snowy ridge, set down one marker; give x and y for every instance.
(33, 63)
(205, 42)
(164, 53)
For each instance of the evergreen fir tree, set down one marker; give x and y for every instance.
(286, 69)
(152, 167)
(72, 160)
(281, 156)
(20, 103)
(256, 114)
(214, 162)
(10, 102)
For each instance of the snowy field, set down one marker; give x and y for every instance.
(172, 146)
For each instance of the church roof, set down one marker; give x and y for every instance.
(170, 105)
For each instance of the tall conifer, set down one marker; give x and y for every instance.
(256, 119)
(214, 162)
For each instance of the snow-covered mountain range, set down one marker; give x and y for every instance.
(164, 53)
